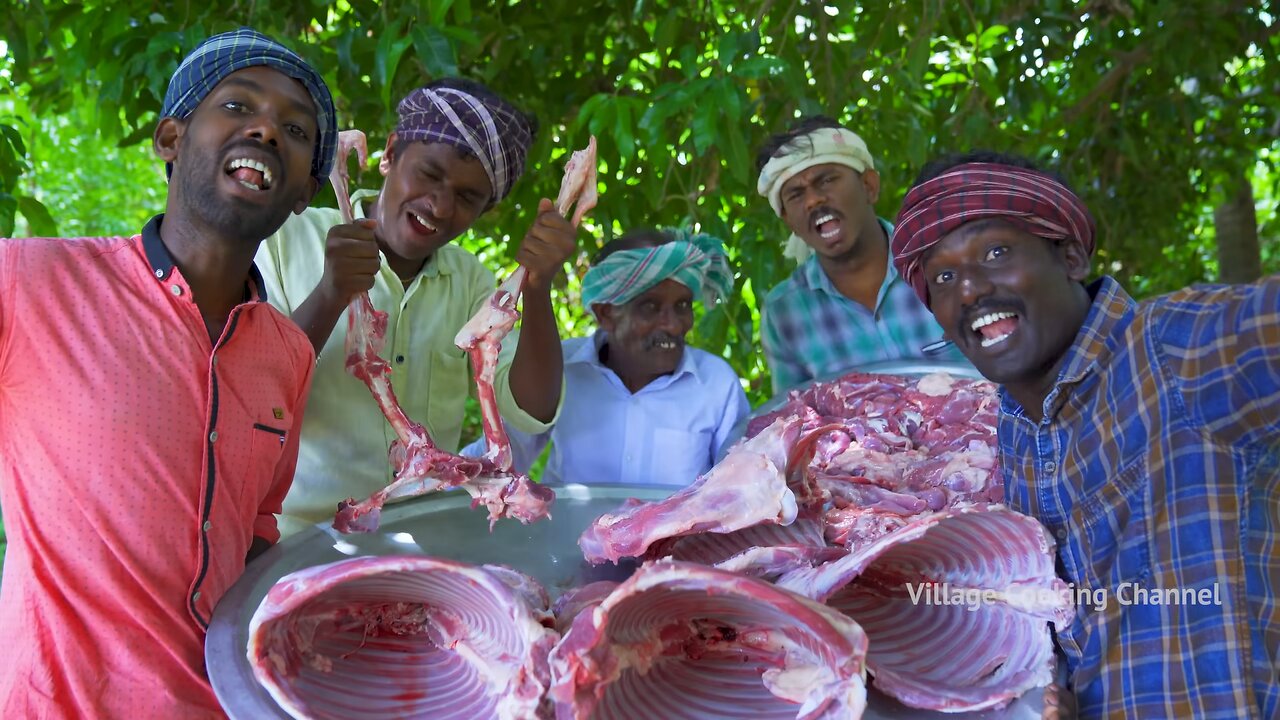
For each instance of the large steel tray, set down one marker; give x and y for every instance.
(446, 526)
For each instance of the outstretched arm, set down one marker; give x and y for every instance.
(537, 370)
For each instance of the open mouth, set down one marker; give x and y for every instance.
(995, 328)
(420, 224)
(252, 174)
(665, 344)
(827, 226)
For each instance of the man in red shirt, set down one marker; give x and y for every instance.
(150, 400)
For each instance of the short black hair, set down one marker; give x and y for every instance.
(940, 165)
(788, 140)
(632, 239)
(482, 91)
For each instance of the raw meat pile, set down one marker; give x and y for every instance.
(814, 555)
(878, 496)
(420, 466)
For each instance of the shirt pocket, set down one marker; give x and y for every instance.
(266, 446)
(679, 456)
(1114, 531)
(449, 385)
(1112, 547)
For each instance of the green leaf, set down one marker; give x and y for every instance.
(622, 128)
(462, 12)
(990, 36)
(38, 218)
(704, 126)
(386, 58)
(727, 50)
(664, 38)
(760, 66)
(589, 109)
(435, 51)
(140, 133)
(8, 206)
(440, 8)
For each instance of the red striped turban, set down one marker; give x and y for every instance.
(1029, 200)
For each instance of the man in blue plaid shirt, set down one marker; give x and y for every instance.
(1145, 436)
(845, 306)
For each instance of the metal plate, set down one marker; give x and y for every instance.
(446, 526)
(906, 368)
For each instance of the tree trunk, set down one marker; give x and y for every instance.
(1236, 225)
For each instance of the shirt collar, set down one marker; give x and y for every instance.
(1111, 309)
(588, 353)
(432, 268)
(162, 262)
(815, 278)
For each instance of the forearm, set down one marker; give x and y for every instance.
(317, 316)
(537, 369)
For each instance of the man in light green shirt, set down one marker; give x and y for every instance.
(456, 151)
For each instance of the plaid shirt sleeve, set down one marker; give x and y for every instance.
(1223, 345)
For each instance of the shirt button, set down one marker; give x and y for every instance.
(196, 596)
(207, 525)
(399, 359)
(1051, 466)
(1062, 533)
(175, 289)
(213, 436)
(215, 360)
(159, 273)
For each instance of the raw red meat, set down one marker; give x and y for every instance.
(748, 487)
(421, 467)
(394, 637)
(954, 657)
(679, 640)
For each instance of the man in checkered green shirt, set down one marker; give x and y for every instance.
(845, 305)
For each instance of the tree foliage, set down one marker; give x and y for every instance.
(1154, 110)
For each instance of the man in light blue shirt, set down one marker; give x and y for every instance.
(640, 407)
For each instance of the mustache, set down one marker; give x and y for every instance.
(819, 212)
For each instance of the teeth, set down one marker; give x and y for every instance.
(988, 342)
(423, 220)
(665, 345)
(250, 185)
(986, 320)
(252, 165)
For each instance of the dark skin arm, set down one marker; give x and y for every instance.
(538, 366)
(256, 548)
(351, 263)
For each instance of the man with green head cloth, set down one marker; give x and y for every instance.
(641, 408)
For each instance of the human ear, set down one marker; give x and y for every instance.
(871, 183)
(1076, 260)
(604, 316)
(388, 156)
(167, 138)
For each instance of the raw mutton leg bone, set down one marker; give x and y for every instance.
(482, 336)
(420, 466)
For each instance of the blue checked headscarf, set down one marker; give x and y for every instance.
(696, 261)
(496, 133)
(219, 56)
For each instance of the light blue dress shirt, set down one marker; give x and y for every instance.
(665, 434)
